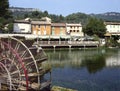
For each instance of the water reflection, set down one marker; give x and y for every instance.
(94, 64)
(86, 70)
(93, 60)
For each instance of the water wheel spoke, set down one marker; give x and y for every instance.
(45, 84)
(2, 68)
(15, 72)
(22, 88)
(11, 65)
(31, 74)
(30, 63)
(17, 46)
(27, 58)
(41, 60)
(2, 46)
(34, 86)
(23, 53)
(19, 64)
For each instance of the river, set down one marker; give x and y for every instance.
(86, 70)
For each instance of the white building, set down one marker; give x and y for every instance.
(22, 26)
(113, 28)
(74, 29)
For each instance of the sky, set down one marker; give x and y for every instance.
(66, 7)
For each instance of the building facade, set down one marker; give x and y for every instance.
(58, 29)
(44, 27)
(22, 26)
(74, 29)
(41, 28)
(113, 28)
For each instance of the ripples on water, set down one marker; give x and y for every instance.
(86, 70)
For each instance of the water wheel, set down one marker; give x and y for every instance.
(20, 65)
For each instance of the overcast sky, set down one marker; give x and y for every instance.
(66, 7)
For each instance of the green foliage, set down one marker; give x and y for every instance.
(10, 27)
(111, 42)
(77, 18)
(4, 5)
(96, 38)
(57, 18)
(95, 26)
(35, 14)
(2, 23)
(5, 15)
(72, 18)
(109, 16)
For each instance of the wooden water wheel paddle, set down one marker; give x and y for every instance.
(20, 65)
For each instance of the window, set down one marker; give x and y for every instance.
(118, 30)
(61, 28)
(38, 26)
(45, 26)
(113, 26)
(53, 32)
(53, 28)
(22, 30)
(110, 26)
(44, 32)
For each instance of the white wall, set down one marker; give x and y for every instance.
(22, 28)
(74, 27)
(113, 28)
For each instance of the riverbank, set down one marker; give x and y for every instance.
(58, 88)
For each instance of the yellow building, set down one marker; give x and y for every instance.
(58, 29)
(41, 27)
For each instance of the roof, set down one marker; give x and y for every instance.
(40, 22)
(73, 24)
(21, 21)
(46, 19)
(112, 23)
(107, 34)
(58, 24)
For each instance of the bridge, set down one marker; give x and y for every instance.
(67, 44)
(55, 41)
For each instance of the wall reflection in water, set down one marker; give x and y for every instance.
(94, 60)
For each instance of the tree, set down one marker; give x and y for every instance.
(10, 27)
(5, 15)
(77, 18)
(35, 14)
(95, 27)
(4, 5)
(45, 14)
